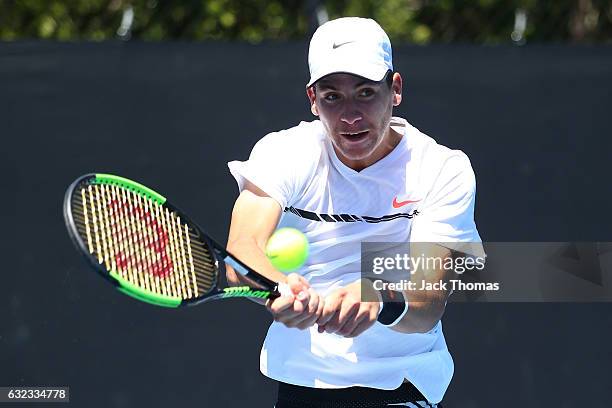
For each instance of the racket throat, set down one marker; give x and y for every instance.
(243, 270)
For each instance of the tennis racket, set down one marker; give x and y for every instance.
(150, 250)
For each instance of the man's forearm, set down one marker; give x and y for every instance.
(425, 304)
(422, 315)
(250, 253)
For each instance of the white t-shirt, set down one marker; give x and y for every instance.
(338, 208)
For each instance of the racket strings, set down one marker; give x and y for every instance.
(144, 242)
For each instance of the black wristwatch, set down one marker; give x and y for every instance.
(393, 305)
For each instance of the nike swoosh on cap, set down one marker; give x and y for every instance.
(334, 46)
(399, 204)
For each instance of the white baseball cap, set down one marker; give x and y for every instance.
(351, 45)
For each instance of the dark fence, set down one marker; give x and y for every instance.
(534, 121)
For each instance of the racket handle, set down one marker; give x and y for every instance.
(284, 289)
(280, 289)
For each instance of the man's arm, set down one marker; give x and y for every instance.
(254, 219)
(447, 216)
(426, 307)
(347, 315)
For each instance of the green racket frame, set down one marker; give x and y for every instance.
(219, 255)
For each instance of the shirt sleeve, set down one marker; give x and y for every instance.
(277, 165)
(447, 215)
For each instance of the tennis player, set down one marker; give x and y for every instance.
(355, 174)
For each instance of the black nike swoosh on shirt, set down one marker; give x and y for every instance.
(334, 46)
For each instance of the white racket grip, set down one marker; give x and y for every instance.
(284, 289)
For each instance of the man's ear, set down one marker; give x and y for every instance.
(310, 92)
(396, 87)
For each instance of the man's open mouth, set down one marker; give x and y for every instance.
(355, 135)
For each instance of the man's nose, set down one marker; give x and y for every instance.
(351, 115)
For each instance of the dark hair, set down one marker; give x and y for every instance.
(388, 79)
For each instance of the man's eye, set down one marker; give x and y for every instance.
(366, 92)
(331, 97)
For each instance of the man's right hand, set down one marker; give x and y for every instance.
(302, 309)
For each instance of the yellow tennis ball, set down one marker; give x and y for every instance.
(287, 249)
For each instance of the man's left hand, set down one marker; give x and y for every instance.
(344, 312)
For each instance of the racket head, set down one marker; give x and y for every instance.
(147, 248)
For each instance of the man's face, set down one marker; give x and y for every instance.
(356, 113)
